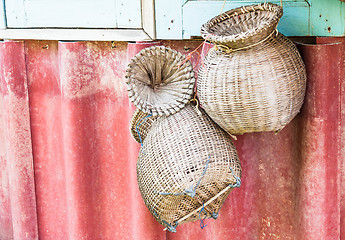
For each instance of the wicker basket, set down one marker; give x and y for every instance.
(243, 26)
(140, 124)
(186, 162)
(254, 78)
(160, 81)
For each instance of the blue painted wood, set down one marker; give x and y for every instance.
(15, 12)
(2, 15)
(169, 19)
(295, 21)
(327, 18)
(128, 13)
(175, 19)
(62, 13)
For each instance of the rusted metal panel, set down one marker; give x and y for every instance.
(46, 128)
(291, 181)
(6, 231)
(84, 157)
(16, 150)
(341, 61)
(320, 135)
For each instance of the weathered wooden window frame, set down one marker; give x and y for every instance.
(145, 33)
(181, 19)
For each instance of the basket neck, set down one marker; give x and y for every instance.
(242, 27)
(229, 47)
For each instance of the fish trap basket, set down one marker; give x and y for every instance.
(186, 168)
(254, 78)
(140, 124)
(160, 81)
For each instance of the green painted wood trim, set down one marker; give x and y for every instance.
(301, 17)
(327, 18)
(295, 21)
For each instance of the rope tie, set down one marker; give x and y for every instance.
(238, 180)
(171, 228)
(223, 48)
(214, 215)
(197, 104)
(202, 225)
(144, 119)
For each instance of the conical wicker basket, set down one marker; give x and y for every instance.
(186, 168)
(140, 124)
(254, 78)
(160, 81)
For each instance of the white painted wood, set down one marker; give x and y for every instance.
(2, 15)
(128, 13)
(76, 34)
(168, 19)
(148, 13)
(62, 13)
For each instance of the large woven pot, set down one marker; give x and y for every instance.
(254, 78)
(186, 168)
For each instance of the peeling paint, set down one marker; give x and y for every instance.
(75, 112)
(82, 63)
(18, 145)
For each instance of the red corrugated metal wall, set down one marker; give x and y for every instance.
(67, 160)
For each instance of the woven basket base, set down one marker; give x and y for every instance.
(186, 160)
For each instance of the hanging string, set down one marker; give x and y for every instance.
(202, 225)
(199, 59)
(139, 124)
(195, 51)
(222, 7)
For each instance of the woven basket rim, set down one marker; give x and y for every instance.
(205, 28)
(185, 76)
